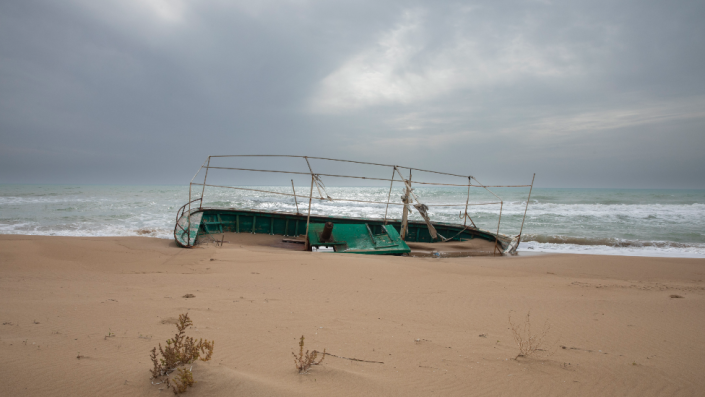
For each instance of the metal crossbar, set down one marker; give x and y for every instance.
(355, 177)
(337, 199)
(315, 180)
(339, 160)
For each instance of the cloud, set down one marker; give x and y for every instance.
(143, 15)
(404, 66)
(625, 117)
(136, 83)
(170, 10)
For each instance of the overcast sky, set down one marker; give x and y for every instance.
(584, 93)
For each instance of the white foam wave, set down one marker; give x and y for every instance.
(83, 230)
(649, 251)
(150, 211)
(639, 211)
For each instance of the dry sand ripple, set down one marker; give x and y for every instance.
(80, 315)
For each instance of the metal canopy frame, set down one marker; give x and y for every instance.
(396, 169)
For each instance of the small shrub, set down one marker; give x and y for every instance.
(304, 361)
(182, 381)
(180, 350)
(527, 341)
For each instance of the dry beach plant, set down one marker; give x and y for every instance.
(304, 361)
(180, 350)
(182, 381)
(527, 341)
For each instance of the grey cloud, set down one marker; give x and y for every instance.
(584, 93)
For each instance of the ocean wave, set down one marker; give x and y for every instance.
(577, 221)
(32, 229)
(649, 250)
(639, 211)
(607, 242)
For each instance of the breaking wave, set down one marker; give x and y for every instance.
(607, 242)
(590, 221)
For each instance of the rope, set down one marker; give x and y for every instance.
(422, 208)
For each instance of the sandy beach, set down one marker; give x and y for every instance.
(80, 315)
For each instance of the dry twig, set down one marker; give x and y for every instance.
(304, 361)
(527, 341)
(351, 359)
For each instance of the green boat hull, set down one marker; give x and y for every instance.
(221, 220)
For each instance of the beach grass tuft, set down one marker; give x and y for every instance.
(304, 361)
(180, 350)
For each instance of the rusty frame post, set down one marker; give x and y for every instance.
(307, 246)
(407, 201)
(409, 181)
(465, 218)
(188, 227)
(295, 201)
(471, 221)
(496, 238)
(389, 196)
(188, 234)
(499, 220)
(527, 206)
(204, 181)
(406, 229)
(308, 218)
(314, 177)
(407, 193)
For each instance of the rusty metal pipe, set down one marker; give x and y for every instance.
(389, 195)
(327, 233)
(527, 205)
(295, 201)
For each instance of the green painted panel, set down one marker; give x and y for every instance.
(245, 224)
(262, 225)
(361, 239)
(279, 226)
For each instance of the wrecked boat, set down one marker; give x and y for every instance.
(383, 235)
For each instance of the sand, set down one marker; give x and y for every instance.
(440, 325)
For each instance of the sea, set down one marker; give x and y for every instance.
(663, 223)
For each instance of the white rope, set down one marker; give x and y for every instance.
(423, 210)
(320, 186)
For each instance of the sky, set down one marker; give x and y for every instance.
(583, 93)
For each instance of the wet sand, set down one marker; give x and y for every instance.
(440, 325)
